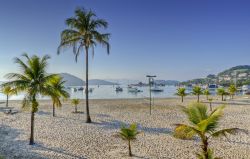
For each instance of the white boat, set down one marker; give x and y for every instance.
(118, 89)
(245, 89)
(156, 89)
(133, 89)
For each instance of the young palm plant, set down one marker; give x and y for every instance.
(232, 90)
(222, 92)
(129, 134)
(8, 91)
(57, 91)
(83, 34)
(32, 80)
(75, 103)
(204, 125)
(182, 93)
(206, 93)
(197, 91)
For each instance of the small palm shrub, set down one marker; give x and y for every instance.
(181, 92)
(232, 90)
(75, 103)
(222, 92)
(197, 91)
(206, 93)
(204, 125)
(129, 134)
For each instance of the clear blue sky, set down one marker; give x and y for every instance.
(174, 39)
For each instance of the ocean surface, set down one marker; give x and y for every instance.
(108, 92)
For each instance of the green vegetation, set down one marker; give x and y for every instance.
(33, 80)
(83, 34)
(129, 134)
(181, 92)
(222, 92)
(229, 74)
(197, 91)
(75, 103)
(207, 93)
(8, 91)
(204, 125)
(210, 103)
(232, 90)
(57, 91)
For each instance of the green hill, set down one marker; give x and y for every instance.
(240, 73)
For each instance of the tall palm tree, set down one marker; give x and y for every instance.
(129, 133)
(8, 91)
(57, 91)
(181, 92)
(83, 34)
(32, 80)
(197, 91)
(222, 92)
(232, 90)
(207, 93)
(75, 103)
(204, 125)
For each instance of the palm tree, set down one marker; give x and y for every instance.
(181, 92)
(232, 90)
(210, 103)
(83, 34)
(75, 103)
(204, 125)
(207, 93)
(222, 93)
(197, 91)
(57, 91)
(129, 133)
(32, 80)
(8, 91)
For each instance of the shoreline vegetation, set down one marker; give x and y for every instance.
(68, 136)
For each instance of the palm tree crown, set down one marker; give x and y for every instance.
(232, 90)
(181, 92)
(8, 91)
(203, 124)
(222, 92)
(83, 32)
(197, 91)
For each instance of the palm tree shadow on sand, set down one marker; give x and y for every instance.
(14, 148)
(116, 125)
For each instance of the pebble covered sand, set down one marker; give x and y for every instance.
(67, 136)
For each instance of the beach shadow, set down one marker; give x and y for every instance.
(11, 147)
(229, 103)
(43, 113)
(103, 115)
(41, 147)
(116, 125)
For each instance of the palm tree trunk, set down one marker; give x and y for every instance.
(7, 101)
(129, 148)
(32, 128)
(88, 120)
(53, 109)
(33, 110)
(205, 147)
(198, 98)
(222, 98)
(182, 99)
(210, 104)
(207, 97)
(75, 108)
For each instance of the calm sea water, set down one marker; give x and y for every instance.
(108, 92)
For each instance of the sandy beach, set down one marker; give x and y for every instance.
(68, 136)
